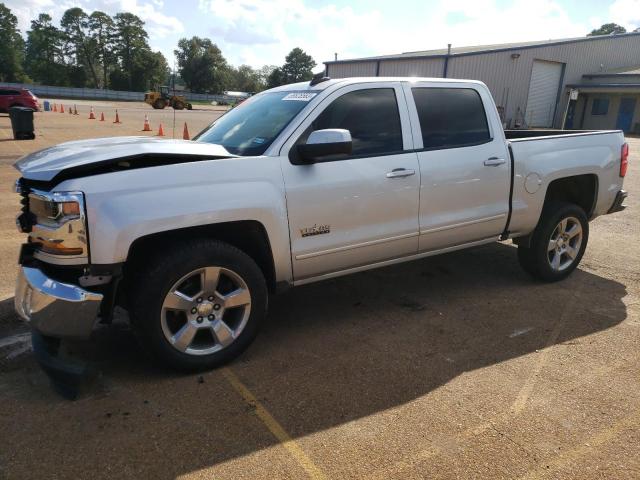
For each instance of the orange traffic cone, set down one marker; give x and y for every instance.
(55, 107)
(185, 132)
(160, 131)
(61, 108)
(75, 110)
(146, 127)
(117, 120)
(102, 116)
(92, 116)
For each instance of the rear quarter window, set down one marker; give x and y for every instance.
(450, 117)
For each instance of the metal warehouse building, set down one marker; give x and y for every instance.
(583, 83)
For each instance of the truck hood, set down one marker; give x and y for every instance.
(102, 155)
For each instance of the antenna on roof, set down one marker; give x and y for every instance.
(318, 78)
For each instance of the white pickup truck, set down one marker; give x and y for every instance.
(298, 184)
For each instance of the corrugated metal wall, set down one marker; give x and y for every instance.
(602, 122)
(352, 69)
(425, 67)
(612, 79)
(507, 77)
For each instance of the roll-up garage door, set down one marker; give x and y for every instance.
(543, 93)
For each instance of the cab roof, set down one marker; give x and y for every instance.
(306, 86)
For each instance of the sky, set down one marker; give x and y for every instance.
(262, 32)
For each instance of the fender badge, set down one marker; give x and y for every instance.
(315, 230)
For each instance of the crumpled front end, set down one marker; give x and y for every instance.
(54, 308)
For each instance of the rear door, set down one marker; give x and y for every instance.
(625, 113)
(464, 164)
(362, 208)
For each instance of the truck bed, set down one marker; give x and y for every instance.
(542, 156)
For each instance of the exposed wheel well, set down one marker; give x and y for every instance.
(249, 236)
(581, 190)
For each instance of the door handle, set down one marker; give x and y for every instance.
(400, 173)
(494, 161)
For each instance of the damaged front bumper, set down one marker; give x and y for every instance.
(53, 308)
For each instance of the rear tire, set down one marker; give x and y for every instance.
(557, 244)
(159, 104)
(198, 305)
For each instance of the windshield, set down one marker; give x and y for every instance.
(252, 126)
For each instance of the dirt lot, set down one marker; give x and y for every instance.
(457, 366)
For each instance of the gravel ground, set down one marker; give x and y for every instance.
(457, 366)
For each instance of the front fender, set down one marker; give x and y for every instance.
(124, 206)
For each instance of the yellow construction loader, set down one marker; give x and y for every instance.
(164, 98)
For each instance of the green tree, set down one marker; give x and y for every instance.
(80, 44)
(607, 29)
(45, 53)
(150, 69)
(298, 66)
(201, 65)
(245, 79)
(276, 78)
(129, 43)
(11, 47)
(103, 34)
(264, 72)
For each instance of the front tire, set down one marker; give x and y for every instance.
(557, 244)
(198, 306)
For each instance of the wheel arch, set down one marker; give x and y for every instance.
(249, 236)
(581, 190)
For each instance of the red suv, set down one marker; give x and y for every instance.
(17, 97)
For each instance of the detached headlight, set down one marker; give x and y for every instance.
(59, 225)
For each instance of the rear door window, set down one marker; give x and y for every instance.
(450, 117)
(372, 117)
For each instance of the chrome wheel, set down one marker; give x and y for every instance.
(564, 244)
(205, 311)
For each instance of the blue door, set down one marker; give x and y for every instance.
(625, 113)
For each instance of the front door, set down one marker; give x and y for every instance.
(464, 165)
(359, 209)
(625, 113)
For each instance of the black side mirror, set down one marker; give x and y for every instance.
(322, 144)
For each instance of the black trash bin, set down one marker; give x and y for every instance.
(22, 123)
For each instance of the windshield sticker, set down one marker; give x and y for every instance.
(300, 96)
(259, 140)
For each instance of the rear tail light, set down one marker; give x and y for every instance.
(624, 160)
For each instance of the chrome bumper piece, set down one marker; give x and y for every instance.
(54, 308)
